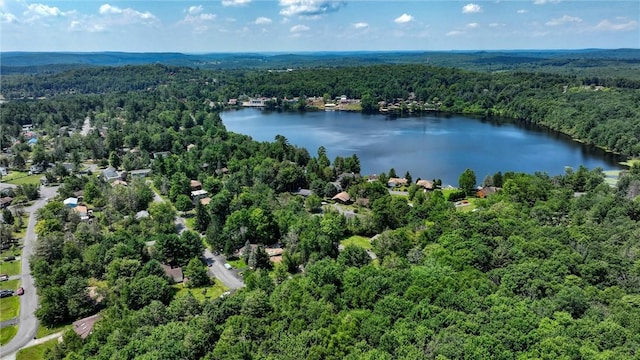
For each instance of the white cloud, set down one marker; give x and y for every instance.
(454, 33)
(108, 9)
(193, 10)
(471, 8)
(7, 18)
(606, 25)
(522, 11)
(263, 21)
(472, 25)
(403, 19)
(361, 25)
(42, 10)
(235, 2)
(199, 18)
(91, 27)
(563, 20)
(299, 28)
(127, 15)
(309, 8)
(542, 2)
(494, 25)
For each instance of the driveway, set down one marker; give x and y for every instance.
(228, 277)
(28, 323)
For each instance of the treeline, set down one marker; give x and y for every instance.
(599, 111)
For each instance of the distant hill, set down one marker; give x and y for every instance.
(588, 62)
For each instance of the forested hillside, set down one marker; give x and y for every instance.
(547, 267)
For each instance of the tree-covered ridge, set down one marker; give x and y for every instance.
(599, 111)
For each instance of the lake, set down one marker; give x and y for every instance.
(429, 147)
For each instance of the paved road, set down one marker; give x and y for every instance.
(28, 325)
(228, 277)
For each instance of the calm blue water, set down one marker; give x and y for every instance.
(428, 147)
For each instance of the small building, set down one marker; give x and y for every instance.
(393, 182)
(342, 197)
(303, 192)
(198, 194)
(205, 201)
(161, 154)
(119, 183)
(82, 211)
(36, 169)
(70, 202)
(142, 214)
(140, 173)
(110, 174)
(428, 185)
(5, 202)
(4, 171)
(174, 274)
(232, 102)
(195, 185)
(84, 327)
(483, 192)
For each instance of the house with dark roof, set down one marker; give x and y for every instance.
(140, 173)
(110, 174)
(174, 274)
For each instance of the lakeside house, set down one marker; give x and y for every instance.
(342, 197)
(426, 184)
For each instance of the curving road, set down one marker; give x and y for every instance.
(216, 262)
(28, 323)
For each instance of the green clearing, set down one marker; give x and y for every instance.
(12, 175)
(202, 293)
(10, 285)
(9, 307)
(7, 333)
(36, 352)
(29, 179)
(44, 331)
(357, 240)
(237, 263)
(10, 267)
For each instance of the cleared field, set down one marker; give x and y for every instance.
(357, 240)
(36, 352)
(6, 334)
(11, 267)
(202, 293)
(9, 307)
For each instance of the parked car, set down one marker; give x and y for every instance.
(9, 258)
(6, 293)
(20, 291)
(228, 266)
(4, 277)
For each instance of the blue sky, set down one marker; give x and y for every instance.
(316, 25)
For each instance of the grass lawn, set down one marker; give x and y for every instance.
(468, 208)
(6, 334)
(11, 267)
(25, 179)
(14, 175)
(11, 252)
(9, 307)
(203, 293)
(238, 264)
(44, 331)
(23, 229)
(10, 285)
(36, 352)
(357, 240)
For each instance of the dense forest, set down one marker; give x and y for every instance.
(547, 267)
